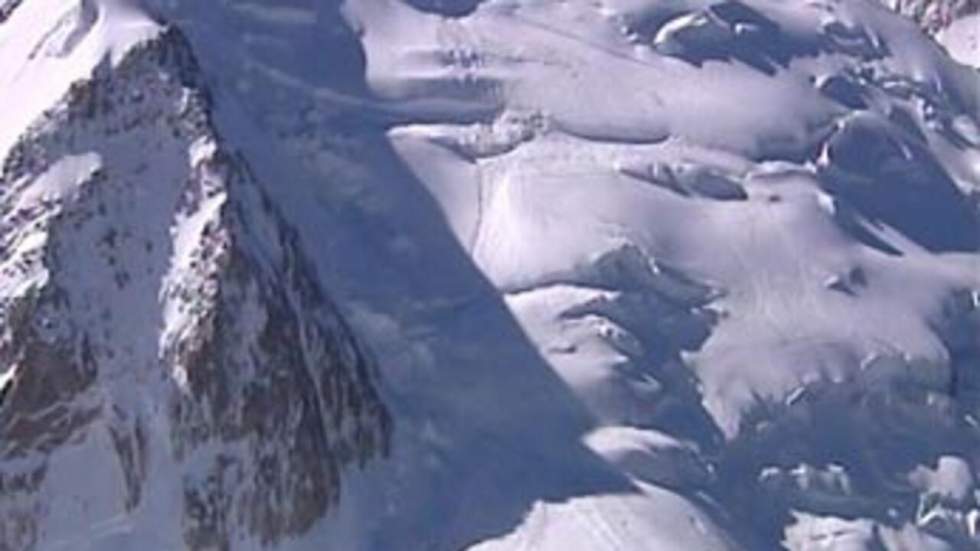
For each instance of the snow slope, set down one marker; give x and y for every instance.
(147, 284)
(954, 23)
(384, 274)
(741, 225)
(962, 39)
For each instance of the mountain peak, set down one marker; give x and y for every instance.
(145, 322)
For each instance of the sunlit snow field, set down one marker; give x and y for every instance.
(636, 274)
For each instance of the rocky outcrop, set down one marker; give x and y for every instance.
(152, 297)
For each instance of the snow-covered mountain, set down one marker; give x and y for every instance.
(493, 275)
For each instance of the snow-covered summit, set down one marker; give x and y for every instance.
(556, 275)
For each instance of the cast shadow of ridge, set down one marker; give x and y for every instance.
(488, 429)
(889, 177)
(514, 429)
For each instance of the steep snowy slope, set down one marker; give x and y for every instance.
(558, 275)
(954, 23)
(172, 373)
(934, 16)
(962, 38)
(776, 200)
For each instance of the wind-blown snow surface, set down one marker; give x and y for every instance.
(635, 274)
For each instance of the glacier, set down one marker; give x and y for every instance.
(493, 275)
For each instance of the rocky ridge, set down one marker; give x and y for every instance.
(165, 329)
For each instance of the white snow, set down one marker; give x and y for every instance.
(962, 39)
(637, 274)
(47, 45)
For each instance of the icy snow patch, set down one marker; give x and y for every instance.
(962, 39)
(40, 60)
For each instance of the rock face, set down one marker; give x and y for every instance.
(162, 330)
